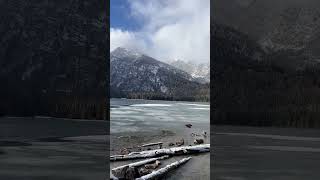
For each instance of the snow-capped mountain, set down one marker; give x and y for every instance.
(136, 75)
(121, 52)
(199, 72)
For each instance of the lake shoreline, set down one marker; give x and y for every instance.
(160, 100)
(137, 122)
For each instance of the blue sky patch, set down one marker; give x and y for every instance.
(120, 16)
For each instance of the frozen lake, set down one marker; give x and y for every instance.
(52, 148)
(148, 115)
(135, 122)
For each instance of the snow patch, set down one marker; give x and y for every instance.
(201, 105)
(154, 70)
(163, 89)
(151, 105)
(200, 108)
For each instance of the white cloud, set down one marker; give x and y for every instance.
(172, 29)
(120, 38)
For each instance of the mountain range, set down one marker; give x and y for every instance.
(199, 72)
(136, 75)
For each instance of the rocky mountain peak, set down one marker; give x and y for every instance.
(122, 52)
(198, 71)
(135, 75)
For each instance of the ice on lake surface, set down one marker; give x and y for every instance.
(52, 148)
(265, 153)
(143, 115)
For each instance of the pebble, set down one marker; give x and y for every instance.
(153, 166)
(144, 171)
(198, 141)
(124, 151)
(180, 143)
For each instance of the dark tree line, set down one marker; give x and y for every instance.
(201, 94)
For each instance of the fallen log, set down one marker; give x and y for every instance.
(153, 144)
(164, 170)
(161, 152)
(130, 169)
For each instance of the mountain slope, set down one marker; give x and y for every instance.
(279, 88)
(271, 91)
(52, 58)
(284, 25)
(136, 75)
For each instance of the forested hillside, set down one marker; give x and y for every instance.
(53, 58)
(251, 87)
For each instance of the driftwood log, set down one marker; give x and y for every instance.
(164, 170)
(131, 169)
(153, 144)
(161, 152)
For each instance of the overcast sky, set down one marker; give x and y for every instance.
(163, 29)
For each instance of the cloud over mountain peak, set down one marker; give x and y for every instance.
(170, 29)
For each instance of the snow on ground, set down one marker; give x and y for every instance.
(151, 105)
(188, 104)
(201, 108)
